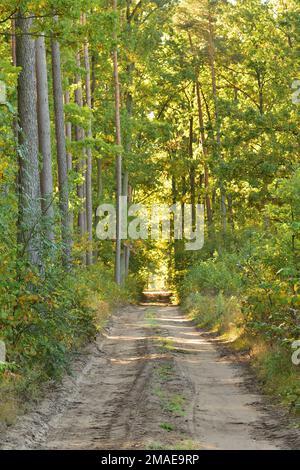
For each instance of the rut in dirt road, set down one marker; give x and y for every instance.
(152, 382)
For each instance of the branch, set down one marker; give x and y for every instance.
(149, 14)
(37, 35)
(137, 6)
(241, 90)
(169, 99)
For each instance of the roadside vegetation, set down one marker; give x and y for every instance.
(253, 305)
(44, 328)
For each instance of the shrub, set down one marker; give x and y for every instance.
(212, 277)
(47, 320)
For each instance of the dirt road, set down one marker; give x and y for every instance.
(151, 382)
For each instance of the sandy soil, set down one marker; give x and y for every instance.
(152, 381)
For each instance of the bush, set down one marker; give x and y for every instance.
(278, 375)
(48, 319)
(255, 305)
(219, 313)
(212, 277)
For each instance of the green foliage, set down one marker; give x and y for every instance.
(46, 322)
(167, 427)
(213, 276)
(43, 326)
(279, 376)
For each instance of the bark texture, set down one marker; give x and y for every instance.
(29, 187)
(44, 129)
(88, 176)
(118, 161)
(61, 153)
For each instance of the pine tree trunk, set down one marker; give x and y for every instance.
(44, 130)
(61, 153)
(203, 144)
(13, 42)
(14, 63)
(124, 254)
(89, 201)
(79, 135)
(211, 52)
(205, 154)
(128, 142)
(118, 160)
(99, 179)
(29, 186)
(93, 78)
(230, 212)
(192, 172)
(68, 131)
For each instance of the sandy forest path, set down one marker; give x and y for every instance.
(151, 382)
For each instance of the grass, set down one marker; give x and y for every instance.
(166, 344)
(167, 427)
(278, 375)
(10, 406)
(159, 392)
(171, 403)
(165, 372)
(150, 315)
(175, 404)
(184, 445)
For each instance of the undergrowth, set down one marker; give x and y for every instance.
(42, 327)
(253, 311)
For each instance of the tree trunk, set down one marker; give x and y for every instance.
(61, 153)
(211, 51)
(118, 158)
(29, 187)
(205, 154)
(79, 135)
(14, 63)
(99, 189)
(13, 42)
(176, 243)
(183, 194)
(99, 179)
(93, 78)
(88, 201)
(44, 129)
(203, 143)
(128, 142)
(192, 171)
(230, 212)
(68, 132)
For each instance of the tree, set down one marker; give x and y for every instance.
(81, 165)
(44, 129)
(118, 157)
(88, 178)
(61, 153)
(28, 182)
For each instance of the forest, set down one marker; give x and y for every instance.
(160, 102)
